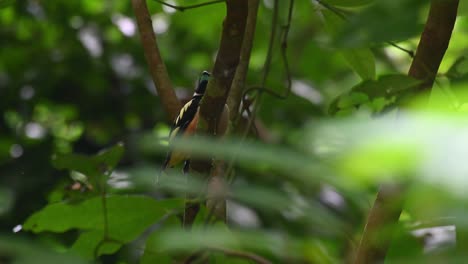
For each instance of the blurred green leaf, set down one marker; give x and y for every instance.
(152, 253)
(361, 60)
(110, 156)
(363, 28)
(77, 162)
(92, 166)
(352, 99)
(260, 242)
(251, 154)
(385, 86)
(349, 3)
(6, 3)
(20, 250)
(458, 72)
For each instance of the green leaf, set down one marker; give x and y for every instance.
(362, 61)
(77, 162)
(127, 217)
(87, 242)
(352, 99)
(110, 156)
(260, 242)
(93, 167)
(458, 72)
(152, 253)
(385, 87)
(462, 8)
(377, 24)
(61, 217)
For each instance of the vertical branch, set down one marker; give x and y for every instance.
(225, 65)
(213, 105)
(238, 84)
(156, 65)
(434, 42)
(388, 205)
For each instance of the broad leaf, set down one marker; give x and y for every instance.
(127, 217)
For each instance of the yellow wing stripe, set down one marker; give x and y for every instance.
(182, 111)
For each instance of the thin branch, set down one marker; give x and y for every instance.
(409, 52)
(103, 188)
(429, 54)
(156, 65)
(183, 8)
(241, 254)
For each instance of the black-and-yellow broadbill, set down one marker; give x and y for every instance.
(186, 123)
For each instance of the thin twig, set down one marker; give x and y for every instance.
(183, 8)
(156, 65)
(104, 212)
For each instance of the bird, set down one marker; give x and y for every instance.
(185, 124)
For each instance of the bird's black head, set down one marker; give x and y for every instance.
(202, 83)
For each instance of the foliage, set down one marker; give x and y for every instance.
(83, 135)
